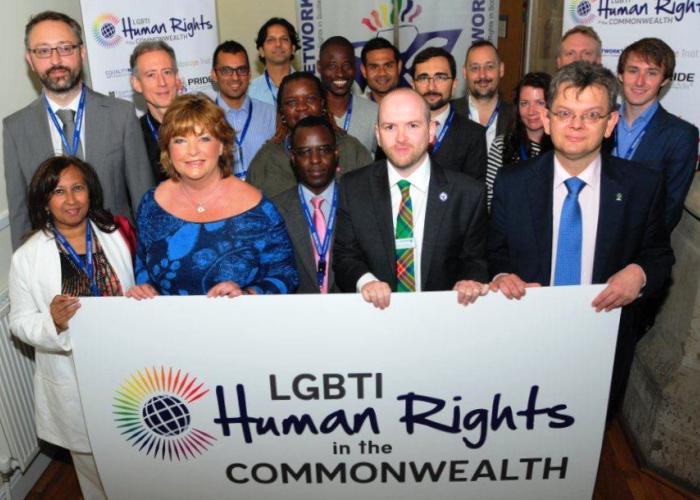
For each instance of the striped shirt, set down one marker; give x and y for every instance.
(495, 161)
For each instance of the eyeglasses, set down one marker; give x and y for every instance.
(323, 150)
(309, 100)
(65, 49)
(437, 78)
(228, 71)
(589, 117)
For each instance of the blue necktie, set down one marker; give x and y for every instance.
(568, 264)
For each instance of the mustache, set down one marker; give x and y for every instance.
(484, 80)
(436, 94)
(59, 67)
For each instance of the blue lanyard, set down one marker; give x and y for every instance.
(321, 248)
(633, 146)
(154, 131)
(86, 266)
(78, 125)
(493, 116)
(241, 137)
(348, 114)
(523, 152)
(443, 131)
(269, 87)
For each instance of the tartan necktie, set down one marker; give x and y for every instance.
(405, 275)
(67, 117)
(568, 265)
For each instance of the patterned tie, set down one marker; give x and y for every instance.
(320, 224)
(568, 264)
(405, 275)
(67, 117)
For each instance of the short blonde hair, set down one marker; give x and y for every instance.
(189, 114)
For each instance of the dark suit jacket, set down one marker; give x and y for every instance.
(506, 114)
(152, 147)
(288, 204)
(453, 240)
(464, 148)
(669, 145)
(631, 229)
(113, 145)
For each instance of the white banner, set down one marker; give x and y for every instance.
(320, 397)
(620, 24)
(452, 24)
(113, 29)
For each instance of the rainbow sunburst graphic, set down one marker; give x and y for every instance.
(104, 29)
(582, 11)
(384, 16)
(151, 410)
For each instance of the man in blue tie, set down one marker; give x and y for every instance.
(574, 216)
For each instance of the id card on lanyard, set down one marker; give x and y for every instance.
(69, 149)
(321, 247)
(87, 266)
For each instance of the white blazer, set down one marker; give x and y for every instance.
(35, 279)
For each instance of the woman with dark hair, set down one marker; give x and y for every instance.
(75, 249)
(204, 231)
(300, 95)
(527, 139)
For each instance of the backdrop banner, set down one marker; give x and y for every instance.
(676, 22)
(452, 24)
(319, 397)
(114, 29)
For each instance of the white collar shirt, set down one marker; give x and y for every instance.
(55, 135)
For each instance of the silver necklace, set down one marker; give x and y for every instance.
(199, 206)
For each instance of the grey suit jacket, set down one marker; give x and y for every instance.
(113, 144)
(287, 203)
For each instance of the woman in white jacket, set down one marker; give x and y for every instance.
(76, 249)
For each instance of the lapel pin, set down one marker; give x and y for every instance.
(618, 197)
(443, 196)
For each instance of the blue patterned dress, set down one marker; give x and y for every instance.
(179, 257)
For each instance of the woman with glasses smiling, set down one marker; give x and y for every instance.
(300, 95)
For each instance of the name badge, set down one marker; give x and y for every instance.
(404, 243)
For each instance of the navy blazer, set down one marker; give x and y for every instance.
(669, 145)
(631, 226)
(454, 238)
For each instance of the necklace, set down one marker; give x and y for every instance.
(199, 206)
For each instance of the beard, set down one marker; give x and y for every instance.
(478, 93)
(64, 83)
(437, 104)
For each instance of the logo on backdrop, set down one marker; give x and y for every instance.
(381, 23)
(582, 11)
(152, 411)
(105, 30)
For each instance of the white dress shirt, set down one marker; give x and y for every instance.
(420, 180)
(474, 116)
(55, 136)
(589, 200)
(441, 119)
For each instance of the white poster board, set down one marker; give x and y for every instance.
(113, 29)
(620, 24)
(183, 397)
(452, 24)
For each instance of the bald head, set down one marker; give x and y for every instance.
(404, 129)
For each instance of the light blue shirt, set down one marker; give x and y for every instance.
(258, 89)
(627, 136)
(260, 129)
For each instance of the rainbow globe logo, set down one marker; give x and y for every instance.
(152, 411)
(104, 29)
(582, 11)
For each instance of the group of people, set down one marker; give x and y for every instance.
(293, 182)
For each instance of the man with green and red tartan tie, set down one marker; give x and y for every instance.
(406, 224)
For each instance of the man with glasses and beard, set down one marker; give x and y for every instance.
(252, 119)
(460, 144)
(483, 70)
(69, 118)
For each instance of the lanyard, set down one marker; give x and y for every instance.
(633, 146)
(348, 114)
(321, 248)
(241, 137)
(269, 87)
(154, 131)
(78, 125)
(86, 266)
(493, 116)
(443, 131)
(523, 152)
